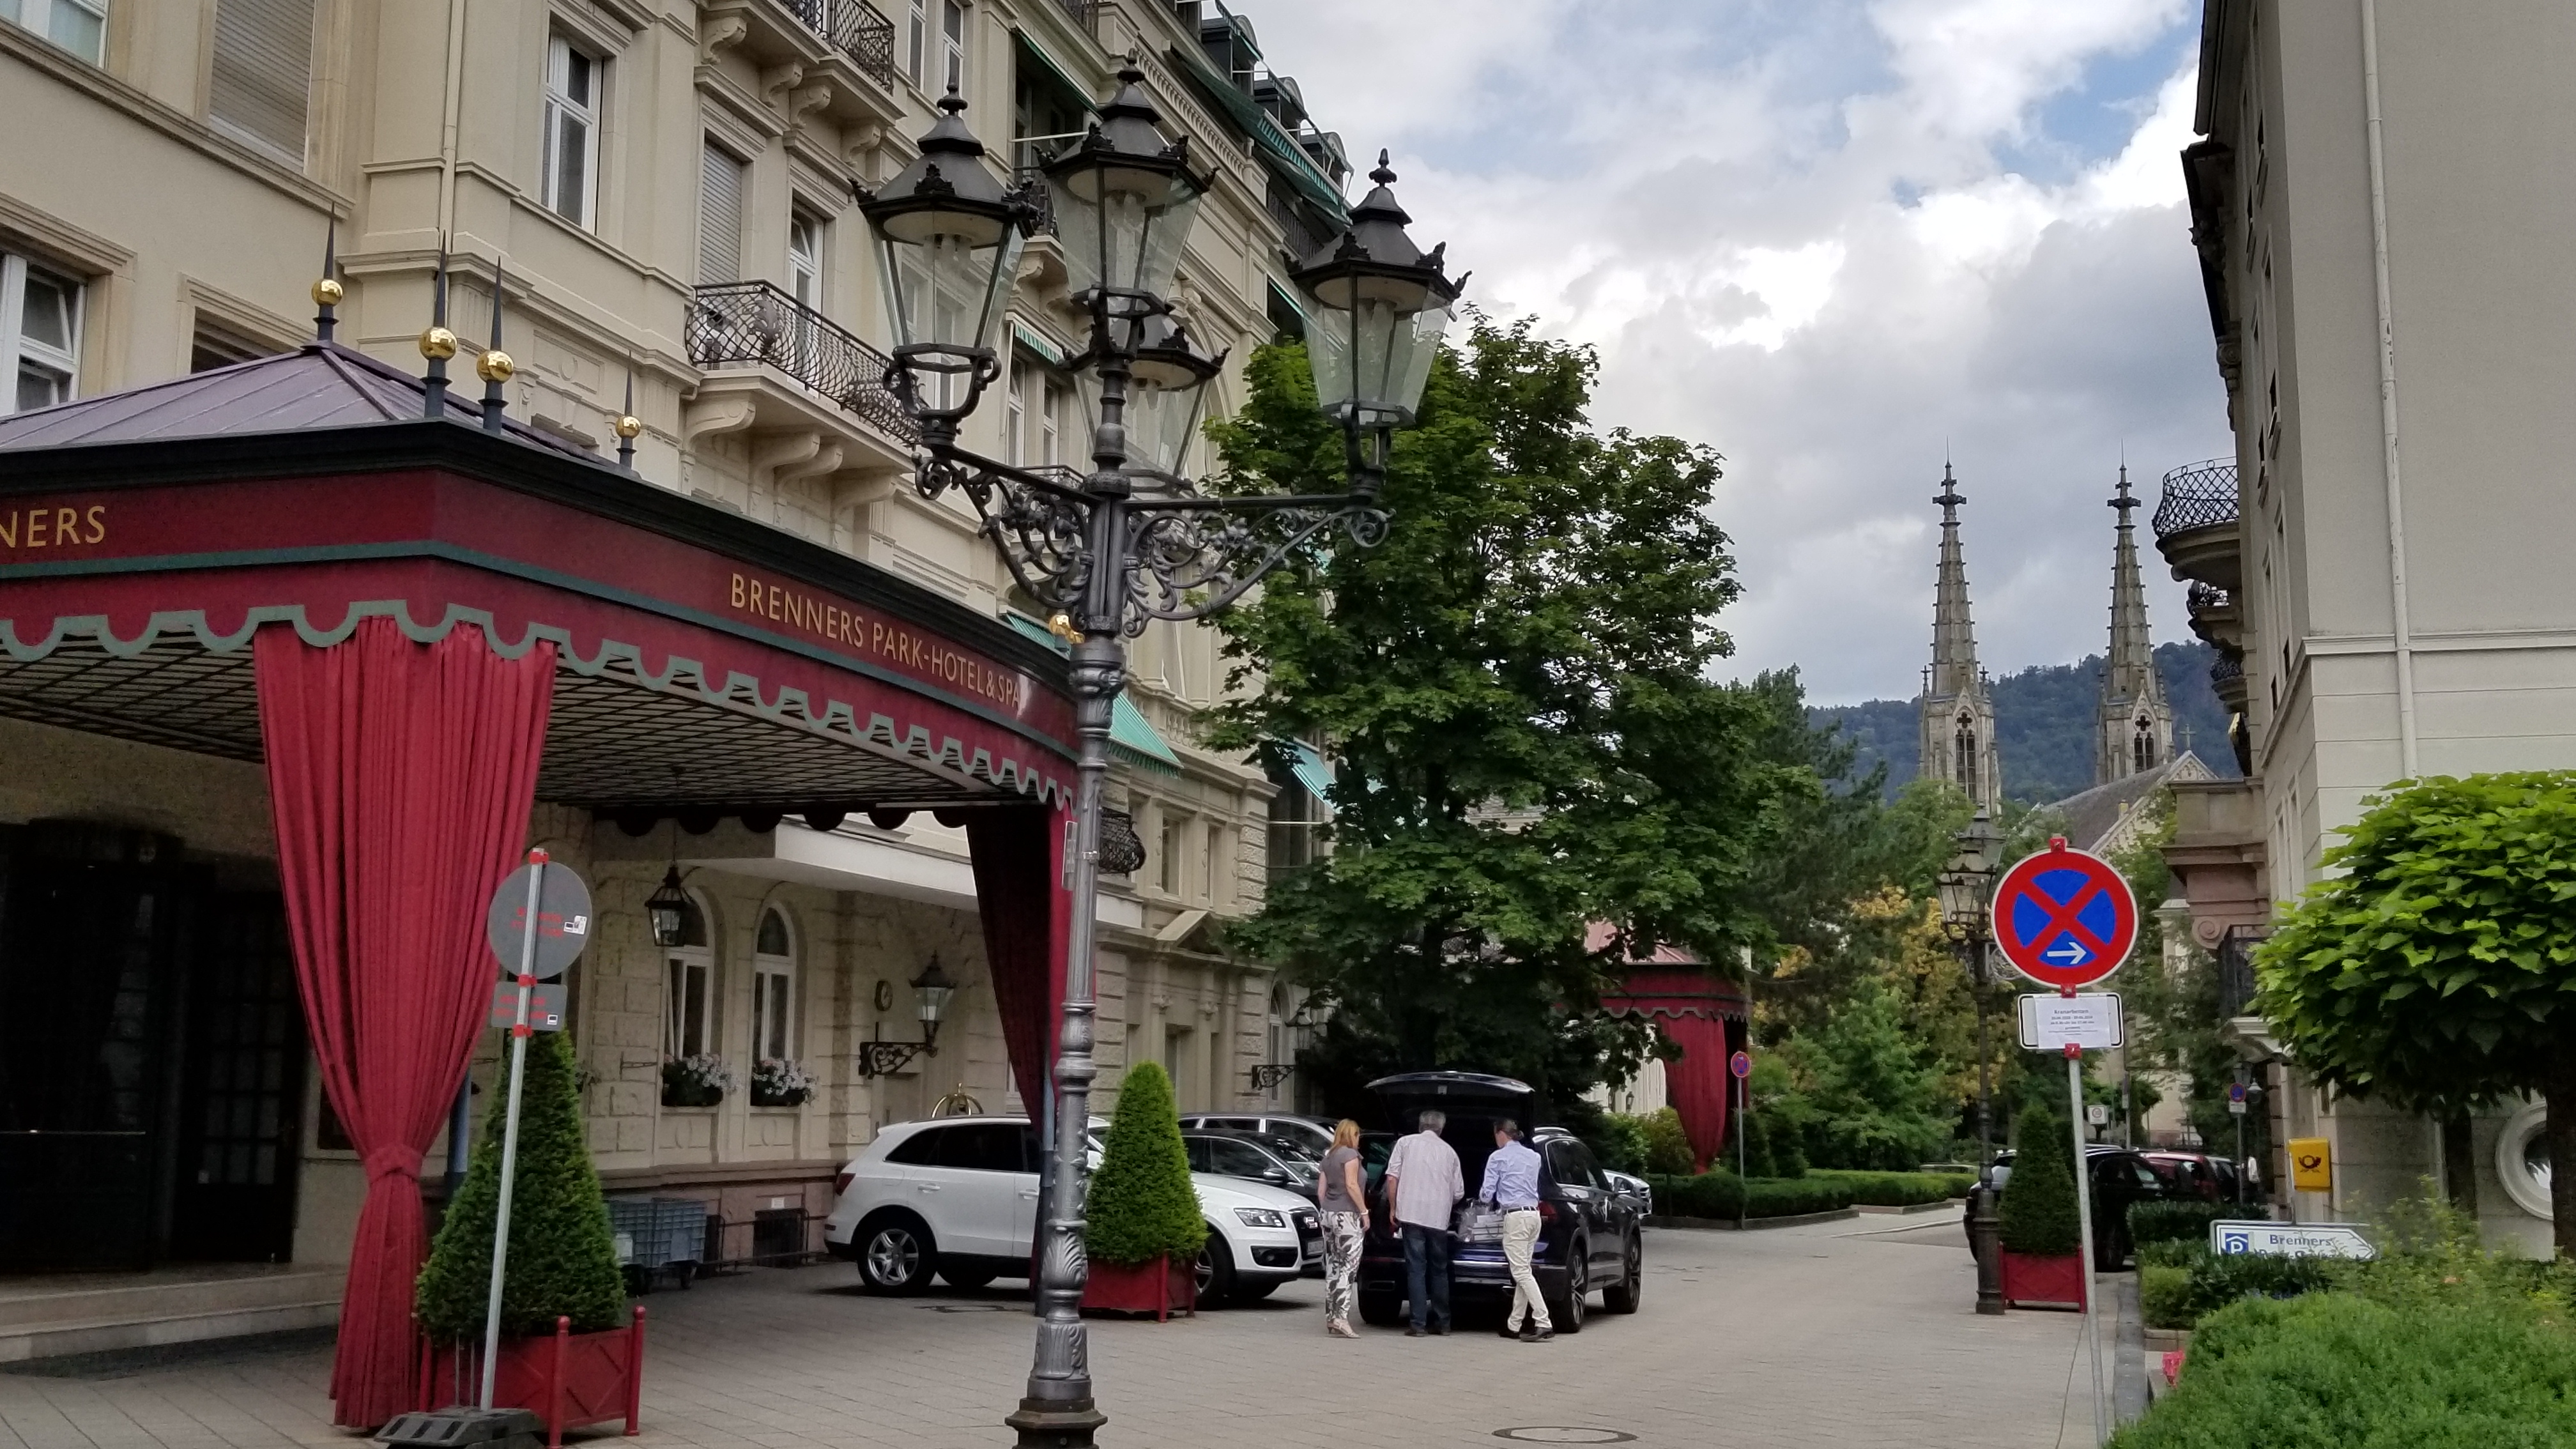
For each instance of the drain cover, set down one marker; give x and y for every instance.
(1563, 1434)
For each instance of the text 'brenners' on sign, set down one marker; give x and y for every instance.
(906, 648)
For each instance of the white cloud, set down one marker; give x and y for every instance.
(1835, 240)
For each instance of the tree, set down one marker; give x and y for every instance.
(1142, 1204)
(1512, 686)
(563, 1254)
(2038, 1211)
(2437, 969)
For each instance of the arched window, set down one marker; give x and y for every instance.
(773, 990)
(688, 972)
(2142, 746)
(1963, 750)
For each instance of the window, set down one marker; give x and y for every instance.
(1015, 420)
(1168, 869)
(952, 45)
(1964, 753)
(805, 259)
(982, 1147)
(688, 975)
(40, 322)
(922, 1148)
(1218, 853)
(720, 189)
(572, 132)
(214, 345)
(2142, 746)
(76, 25)
(916, 39)
(1051, 423)
(773, 992)
(263, 73)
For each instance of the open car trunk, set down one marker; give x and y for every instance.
(1471, 1100)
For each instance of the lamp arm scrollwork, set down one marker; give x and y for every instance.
(1193, 557)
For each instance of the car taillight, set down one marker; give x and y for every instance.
(1546, 1213)
(841, 1182)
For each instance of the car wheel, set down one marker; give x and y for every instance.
(1381, 1310)
(1214, 1270)
(961, 1276)
(1622, 1296)
(896, 1254)
(1565, 1310)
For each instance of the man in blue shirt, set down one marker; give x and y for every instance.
(1511, 1183)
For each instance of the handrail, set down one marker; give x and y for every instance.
(743, 324)
(2197, 495)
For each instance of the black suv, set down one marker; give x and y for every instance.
(1590, 1234)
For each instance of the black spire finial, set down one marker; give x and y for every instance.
(327, 292)
(437, 344)
(627, 426)
(495, 366)
(1384, 175)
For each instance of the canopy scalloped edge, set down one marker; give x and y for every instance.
(739, 692)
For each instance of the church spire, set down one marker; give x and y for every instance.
(2136, 731)
(1958, 741)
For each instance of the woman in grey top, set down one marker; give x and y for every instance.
(1343, 1198)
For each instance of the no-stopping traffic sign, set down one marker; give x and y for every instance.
(563, 919)
(2065, 918)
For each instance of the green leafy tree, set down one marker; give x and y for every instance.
(2038, 1210)
(2436, 970)
(1513, 687)
(1142, 1205)
(563, 1254)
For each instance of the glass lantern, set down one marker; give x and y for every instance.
(1166, 394)
(1123, 199)
(1380, 308)
(949, 238)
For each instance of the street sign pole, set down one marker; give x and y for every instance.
(2084, 1230)
(510, 1126)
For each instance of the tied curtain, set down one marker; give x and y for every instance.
(401, 777)
(1017, 853)
(1698, 1085)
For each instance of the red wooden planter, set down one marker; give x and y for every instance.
(568, 1380)
(2057, 1280)
(1158, 1286)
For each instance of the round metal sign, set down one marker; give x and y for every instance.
(2065, 918)
(563, 919)
(1741, 1064)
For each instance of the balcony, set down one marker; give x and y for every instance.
(854, 28)
(2195, 524)
(2217, 858)
(821, 439)
(756, 324)
(832, 59)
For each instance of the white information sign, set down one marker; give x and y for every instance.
(2290, 1240)
(2097, 1115)
(2050, 1022)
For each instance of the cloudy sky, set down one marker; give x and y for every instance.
(1833, 240)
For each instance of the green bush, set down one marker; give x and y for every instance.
(1644, 1144)
(2164, 1296)
(563, 1254)
(2039, 1200)
(2218, 1280)
(2161, 1221)
(2340, 1371)
(1718, 1194)
(1619, 1142)
(1142, 1205)
(2172, 1253)
(1668, 1147)
(1897, 1189)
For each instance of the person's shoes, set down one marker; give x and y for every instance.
(1542, 1336)
(1412, 1332)
(1341, 1329)
(1440, 1332)
(1510, 1332)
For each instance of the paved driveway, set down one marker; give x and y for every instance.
(1859, 1332)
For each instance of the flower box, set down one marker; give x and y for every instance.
(1158, 1286)
(2057, 1280)
(566, 1379)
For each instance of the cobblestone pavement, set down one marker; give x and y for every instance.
(1858, 1332)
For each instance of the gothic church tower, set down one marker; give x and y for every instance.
(2134, 729)
(1958, 717)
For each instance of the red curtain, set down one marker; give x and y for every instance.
(1017, 853)
(1698, 1085)
(401, 777)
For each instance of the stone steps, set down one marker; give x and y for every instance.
(92, 1313)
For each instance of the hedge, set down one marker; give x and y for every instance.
(1142, 1204)
(1718, 1194)
(563, 1254)
(2038, 1210)
(1897, 1189)
(2156, 1220)
(2164, 1296)
(2339, 1371)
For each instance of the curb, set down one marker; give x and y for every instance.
(1728, 1224)
(1919, 1207)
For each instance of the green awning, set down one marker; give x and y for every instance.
(1046, 64)
(1281, 153)
(1307, 763)
(1132, 737)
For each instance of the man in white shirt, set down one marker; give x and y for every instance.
(1423, 1185)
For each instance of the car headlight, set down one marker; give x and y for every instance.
(1261, 1217)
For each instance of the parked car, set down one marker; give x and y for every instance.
(2191, 1174)
(1591, 1235)
(1254, 1158)
(959, 1196)
(2120, 1177)
(1313, 1134)
(1634, 1188)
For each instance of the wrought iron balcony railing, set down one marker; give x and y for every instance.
(756, 324)
(2223, 669)
(2236, 969)
(857, 29)
(2197, 495)
(2208, 599)
(1085, 13)
(1031, 180)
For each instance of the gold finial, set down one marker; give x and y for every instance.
(1061, 626)
(438, 344)
(328, 292)
(494, 366)
(628, 425)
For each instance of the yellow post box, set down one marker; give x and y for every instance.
(2311, 1164)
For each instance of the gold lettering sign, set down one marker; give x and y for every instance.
(906, 648)
(45, 525)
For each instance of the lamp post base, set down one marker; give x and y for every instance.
(1986, 1242)
(1056, 1426)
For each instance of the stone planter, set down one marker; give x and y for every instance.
(2057, 1280)
(566, 1379)
(1158, 1286)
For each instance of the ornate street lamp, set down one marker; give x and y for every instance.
(1133, 540)
(931, 991)
(1966, 887)
(667, 909)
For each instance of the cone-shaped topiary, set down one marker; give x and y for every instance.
(563, 1255)
(1142, 1204)
(2039, 1199)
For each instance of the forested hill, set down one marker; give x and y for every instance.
(2044, 723)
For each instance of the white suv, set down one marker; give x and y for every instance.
(959, 1196)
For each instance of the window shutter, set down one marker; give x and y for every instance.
(720, 219)
(263, 71)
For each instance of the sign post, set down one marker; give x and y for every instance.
(2066, 919)
(544, 932)
(1740, 1067)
